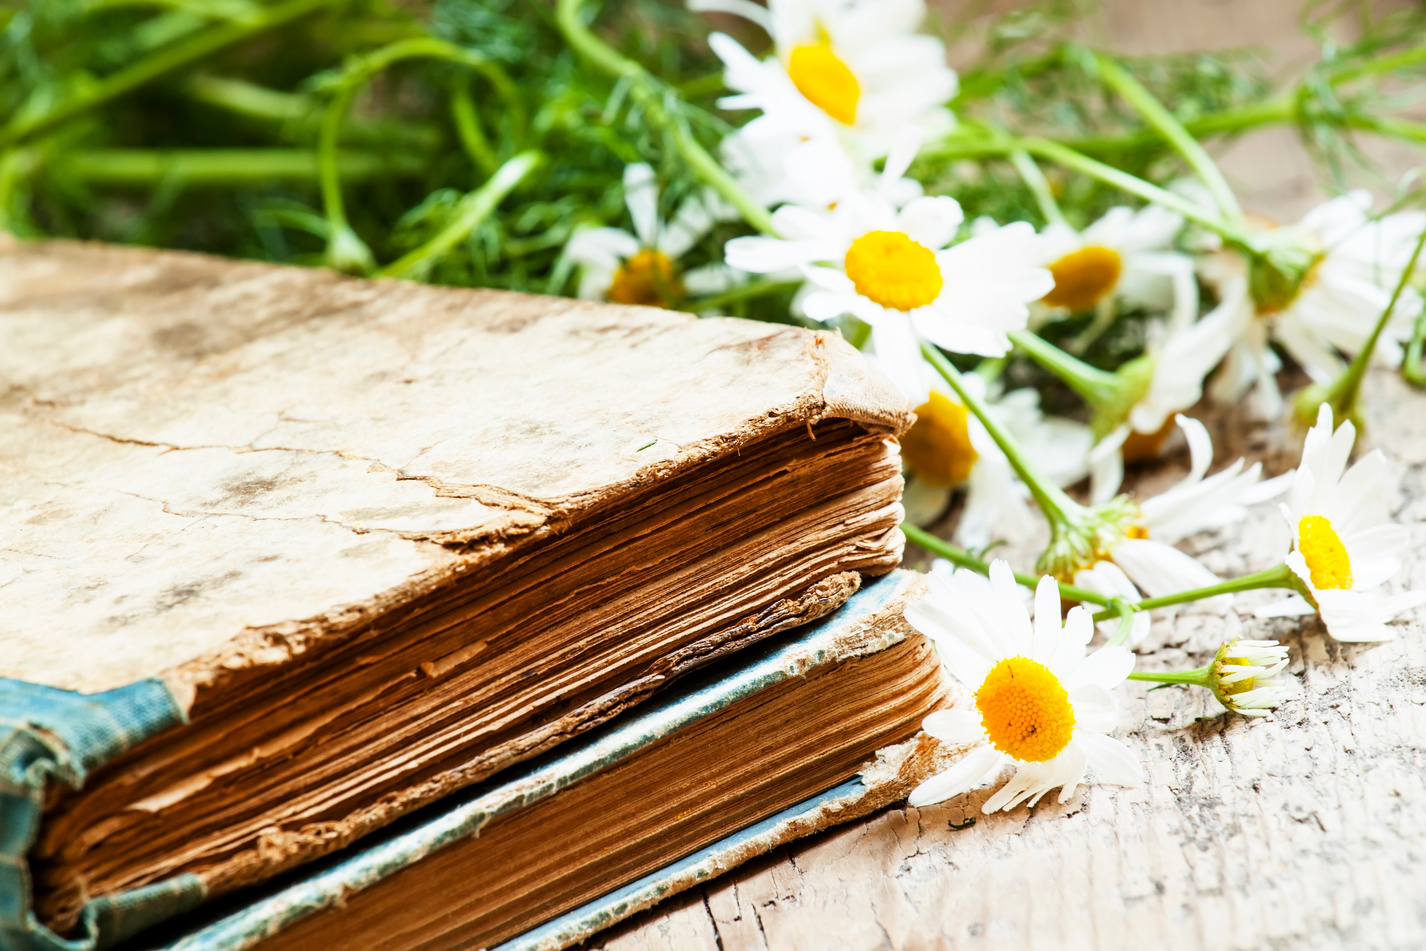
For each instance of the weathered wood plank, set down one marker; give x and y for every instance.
(1304, 829)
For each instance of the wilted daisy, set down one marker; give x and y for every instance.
(1125, 259)
(849, 69)
(1318, 291)
(1243, 676)
(1344, 542)
(1041, 705)
(642, 267)
(894, 270)
(1149, 390)
(1136, 545)
(948, 448)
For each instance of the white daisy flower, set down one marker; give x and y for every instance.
(814, 173)
(1334, 274)
(849, 69)
(1168, 378)
(1138, 551)
(1344, 542)
(893, 270)
(948, 448)
(642, 267)
(1248, 374)
(1243, 676)
(1126, 258)
(1041, 705)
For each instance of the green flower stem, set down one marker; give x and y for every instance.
(301, 114)
(359, 70)
(1069, 158)
(1098, 388)
(346, 251)
(165, 61)
(1200, 676)
(976, 84)
(1390, 127)
(1341, 393)
(1061, 510)
(1381, 64)
(1281, 108)
(1124, 608)
(1280, 576)
(990, 368)
(1411, 367)
(1269, 112)
(470, 211)
(16, 167)
(239, 11)
(472, 136)
(658, 102)
(964, 559)
(222, 167)
(742, 292)
(1163, 121)
(1039, 187)
(979, 145)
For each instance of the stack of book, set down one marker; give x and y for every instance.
(413, 617)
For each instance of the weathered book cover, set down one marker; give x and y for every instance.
(261, 523)
(306, 911)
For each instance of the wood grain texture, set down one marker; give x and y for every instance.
(1304, 829)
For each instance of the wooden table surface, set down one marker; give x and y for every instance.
(1304, 829)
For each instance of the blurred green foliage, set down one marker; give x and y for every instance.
(197, 124)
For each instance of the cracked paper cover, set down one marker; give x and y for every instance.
(209, 465)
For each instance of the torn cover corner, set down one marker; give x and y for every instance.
(855, 388)
(48, 735)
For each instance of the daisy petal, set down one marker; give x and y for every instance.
(1352, 617)
(954, 727)
(962, 661)
(1049, 628)
(1094, 709)
(1112, 761)
(1106, 668)
(641, 195)
(976, 768)
(1295, 606)
(931, 221)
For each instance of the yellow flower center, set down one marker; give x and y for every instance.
(648, 277)
(1139, 447)
(1083, 277)
(825, 80)
(1025, 710)
(937, 448)
(1322, 549)
(894, 271)
(1237, 686)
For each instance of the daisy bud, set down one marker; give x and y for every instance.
(1276, 274)
(1243, 676)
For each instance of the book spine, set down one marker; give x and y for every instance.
(50, 736)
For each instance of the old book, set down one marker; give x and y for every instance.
(288, 555)
(772, 744)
